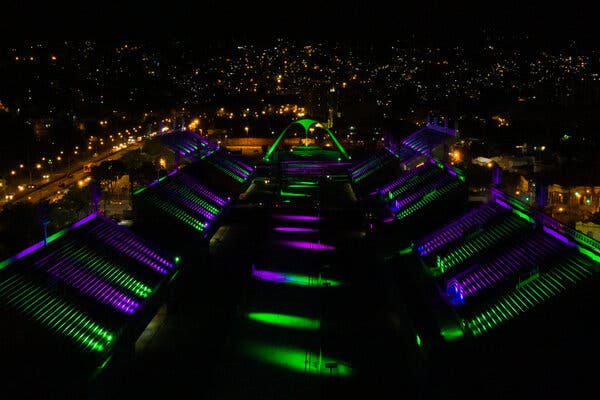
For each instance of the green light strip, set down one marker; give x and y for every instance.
(228, 172)
(428, 198)
(487, 239)
(56, 314)
(177, 212)
(368, 172)
(101, 267)
(50, 239)
(534, 292)
(590, 254)
(524, 216)
(238, 168)
(339, 146)
(365, 167)
(413, 182)
(188, 193)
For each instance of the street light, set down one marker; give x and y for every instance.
(246, 128)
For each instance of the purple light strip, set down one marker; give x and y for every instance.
(487, 275)
(28, 251)
(306, 245)
(112, 232)
(180, 190)
(202, 139)
(239, 164)
(358, 167)
(83, 221)
(196, 186)
(503, 204)
(455, 229)
(197, 208)
(143, 250)
(294, 229)
(419, 193)
(136, 255)
(67, 271)
(132, 248)
(296, 217)
(41, 244)
(560, 237)
(153, 183)
(235, 169)
(244, 165)
(189, 149)
(291, 217)
(400, 180)
(366, 165)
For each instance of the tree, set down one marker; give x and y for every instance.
(74, 205)
(108, 173)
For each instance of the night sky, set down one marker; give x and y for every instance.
(435, 21)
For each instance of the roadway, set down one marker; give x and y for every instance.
(63, 179)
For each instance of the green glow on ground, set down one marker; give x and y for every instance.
(300, 186)
(291, 321)
(451, 333)
(307, 280)
(407, 250)
(296, 359)
(293, 194)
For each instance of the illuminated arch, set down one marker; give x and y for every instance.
(306, 123)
